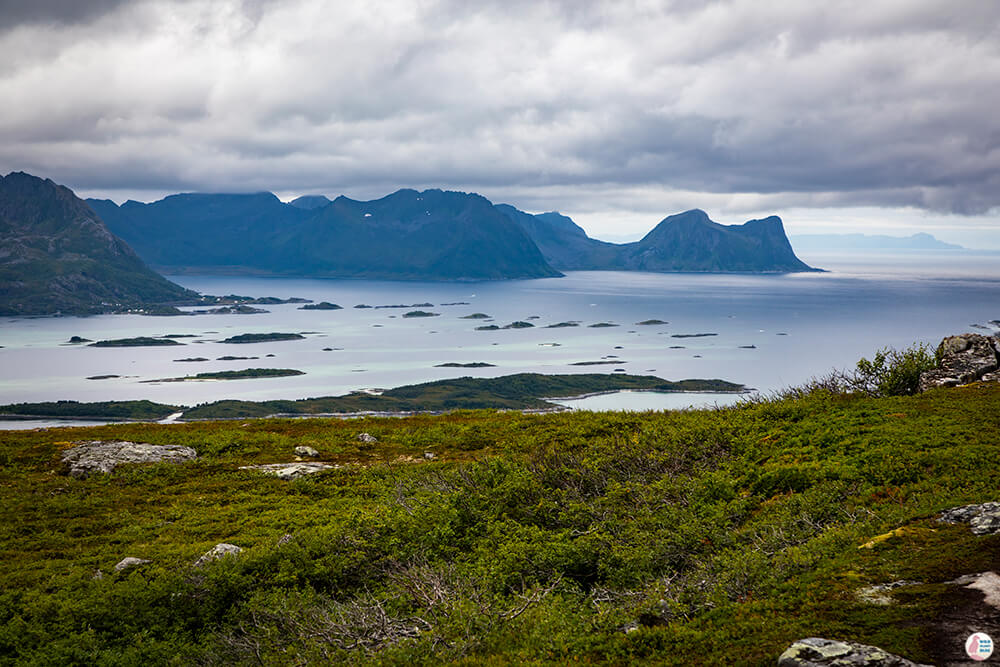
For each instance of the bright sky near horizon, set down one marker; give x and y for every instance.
(877, 116)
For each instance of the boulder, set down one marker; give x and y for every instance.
(963, 359)
(99, 456)
(303, 450)
(367, 437)
(129, 562)
(983, 519)
(289, 471)
(818, 652)
(220, 550)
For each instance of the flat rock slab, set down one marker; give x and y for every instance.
(101, 456)
(289, 471)
(818, 652)
(983, 519)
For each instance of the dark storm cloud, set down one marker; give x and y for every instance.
(17, 12)
(847, 103)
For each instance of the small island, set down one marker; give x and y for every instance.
(519, 325)
(262, 337)
(603, 325)
(474, 316)
(694, 335)
(322, 305)
(474, 364)
(244, 374)
(488, 327)
(651, 322)
(193, 359)
(562, 325)
(139, 341)
(420, 313)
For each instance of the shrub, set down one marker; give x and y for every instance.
(892, 372)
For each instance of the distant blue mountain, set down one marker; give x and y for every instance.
(309, 202)
(408, 235)
(920, 241)
(429, 235)
(688, 241)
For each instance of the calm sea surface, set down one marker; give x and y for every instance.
(772, 331)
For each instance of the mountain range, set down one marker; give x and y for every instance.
(824, 242)
(60, 254)
(408, 235)
(428, 235)
(57, 256)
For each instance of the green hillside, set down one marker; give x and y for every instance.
(709, 537)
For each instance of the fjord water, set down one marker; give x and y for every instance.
(773, 331)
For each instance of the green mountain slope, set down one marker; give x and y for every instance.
(57, 256)
(672, 538)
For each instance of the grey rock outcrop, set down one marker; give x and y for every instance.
(304, 450)
(367, 437)
(818, 652)
(220, 550)
(130, 562)
(964, 358)
(289, 471)
(983, 519)
(99, 456)
(988, 583)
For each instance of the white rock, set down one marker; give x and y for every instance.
(289, 471)
(218, 551)
(128, 562)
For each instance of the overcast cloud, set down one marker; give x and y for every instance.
(605, 110)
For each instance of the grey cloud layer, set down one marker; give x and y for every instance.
(881, 102)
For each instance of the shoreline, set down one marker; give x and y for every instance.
(174, 418)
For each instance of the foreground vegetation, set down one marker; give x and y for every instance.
(710, 537)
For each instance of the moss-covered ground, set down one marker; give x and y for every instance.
(709, 537)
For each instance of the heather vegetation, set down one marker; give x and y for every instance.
(502, 537)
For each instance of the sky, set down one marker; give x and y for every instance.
(877, 116)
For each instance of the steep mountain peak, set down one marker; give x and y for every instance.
(57, 255)
(688, 241)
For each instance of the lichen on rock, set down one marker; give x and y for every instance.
(819, 652)
(983, 519)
